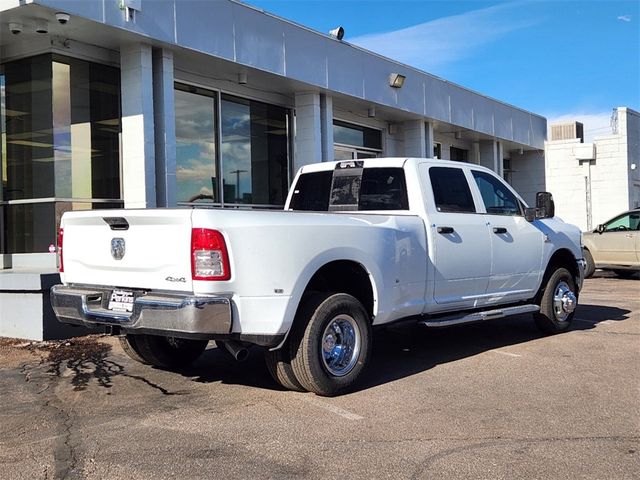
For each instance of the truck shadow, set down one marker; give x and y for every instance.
(400, 351)
(407, 350)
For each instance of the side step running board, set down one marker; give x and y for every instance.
(459, 319)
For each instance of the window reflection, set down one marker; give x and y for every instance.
(254, 152)
(196, 177)
(61, 128)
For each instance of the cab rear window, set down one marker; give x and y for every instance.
(354, 189)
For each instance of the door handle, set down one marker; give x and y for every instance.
(499, 230)
(445, 230)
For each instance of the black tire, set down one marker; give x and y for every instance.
(591, 265)
(128, 344)
(279, 366)
(165, 352)
(625, 273)
(341, 320)
(552, 318)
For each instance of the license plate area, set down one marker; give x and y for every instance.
(121, 301)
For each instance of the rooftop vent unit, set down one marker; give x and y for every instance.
(567, 131)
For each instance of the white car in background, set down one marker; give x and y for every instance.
(614, 245)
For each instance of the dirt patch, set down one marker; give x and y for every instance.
(78, 354)
(14, 352)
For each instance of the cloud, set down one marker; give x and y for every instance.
(595, 124)
(624, 18)
(446, 40)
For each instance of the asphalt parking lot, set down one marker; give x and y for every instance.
(495, 400)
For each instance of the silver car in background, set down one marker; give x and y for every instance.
(614, 245)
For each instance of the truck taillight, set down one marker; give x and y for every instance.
(209, 256)
(60, 236)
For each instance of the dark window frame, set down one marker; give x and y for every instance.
(517, 212)
(356, 181)
(438, 193)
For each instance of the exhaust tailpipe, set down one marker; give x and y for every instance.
(237, 350)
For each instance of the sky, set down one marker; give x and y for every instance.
(565, 60)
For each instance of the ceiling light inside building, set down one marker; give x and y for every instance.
(396, 80)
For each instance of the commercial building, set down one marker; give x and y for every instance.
(595, 181)
(140, 103)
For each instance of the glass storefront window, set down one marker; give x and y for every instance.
(254, 151)
(196, 177)
(61, 144)
(356, 135)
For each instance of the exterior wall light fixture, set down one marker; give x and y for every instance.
(42, 26)
(242, 78)
(337, 33)
(396, 80)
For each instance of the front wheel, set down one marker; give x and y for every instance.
(558, 303)
(590, 268)
(163, 352)
(331, 343)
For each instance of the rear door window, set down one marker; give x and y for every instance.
(451, 191)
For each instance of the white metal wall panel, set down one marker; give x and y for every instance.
(482, 114)
(411, 96)
(376, 82)
(346, 69)
(205, 26)
(240, 33)
(154, 21)
(538, 131)
(259, 39)
(437, 99)
(502, 121)
(92, 10)
(461, 106)
(521, 126)
(299, 63)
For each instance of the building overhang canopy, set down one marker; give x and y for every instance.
(244, 39)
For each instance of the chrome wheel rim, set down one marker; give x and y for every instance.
(564, 301)
(340, 345)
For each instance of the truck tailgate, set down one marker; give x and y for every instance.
(154, 246)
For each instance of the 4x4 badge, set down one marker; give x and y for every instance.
(117, 248)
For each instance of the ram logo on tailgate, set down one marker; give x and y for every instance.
(117, 248)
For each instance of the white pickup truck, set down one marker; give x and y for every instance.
(359, 244)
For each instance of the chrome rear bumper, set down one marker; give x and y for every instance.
(161, 313)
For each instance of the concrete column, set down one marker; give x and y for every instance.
(414, 139)
(488, 152)
(138, 144)
(326, 127)
(308, 136)
(165, 127)
(428, 139)
(475, 153)
(499, 163)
